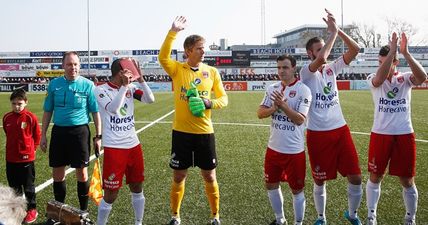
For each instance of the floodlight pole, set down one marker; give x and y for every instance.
(89, 49)
(343, 28)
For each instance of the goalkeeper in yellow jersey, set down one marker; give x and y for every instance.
(193, 142)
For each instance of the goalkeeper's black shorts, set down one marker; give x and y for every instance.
(193, 150)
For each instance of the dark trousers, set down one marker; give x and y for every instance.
(20, 177)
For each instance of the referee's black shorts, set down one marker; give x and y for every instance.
(193, 150)
(70, 146)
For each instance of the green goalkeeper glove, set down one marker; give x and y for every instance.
(192, 91)
(196, 106)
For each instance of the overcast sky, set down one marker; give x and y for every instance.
(54, 25)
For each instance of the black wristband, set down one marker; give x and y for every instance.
(98, 136)
(207, 103)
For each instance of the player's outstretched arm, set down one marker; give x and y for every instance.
(353, 47)
(179, 24)
(147, 95)
(384, 69)
(419, 75)
(325, 51)
(165, 60)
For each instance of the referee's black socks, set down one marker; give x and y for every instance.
(59, 189)
(82, 192)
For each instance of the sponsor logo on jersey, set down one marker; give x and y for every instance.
(393, 93)
(111, 177)
(102, 95)
(122, 111)
(197, 81)
(327, 89)
(292, 94)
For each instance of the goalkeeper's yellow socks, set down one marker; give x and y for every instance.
(177, 193)
(213, 195)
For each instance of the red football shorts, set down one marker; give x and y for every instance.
(285, 167)
(398, 150)
(331, 152)
(119, 162)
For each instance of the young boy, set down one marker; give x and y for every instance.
(22, 138)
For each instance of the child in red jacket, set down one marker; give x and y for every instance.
(22, 138)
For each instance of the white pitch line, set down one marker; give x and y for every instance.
(267, 125)
(69, 170)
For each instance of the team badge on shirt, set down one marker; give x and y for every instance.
(128, 93)
(329, 72)
(400, 79)
(205, 74)
(23, 125)
(292, 94)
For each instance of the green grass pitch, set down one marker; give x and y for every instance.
(241, 140)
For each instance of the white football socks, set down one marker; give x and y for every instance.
(299, 204)
(372, 194)
(320, 198)
(410, 196)
(355, 193)
(103, 212)
(276, 200)
(138, 201)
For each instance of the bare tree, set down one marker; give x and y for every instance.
(365, 35)
(398, 25)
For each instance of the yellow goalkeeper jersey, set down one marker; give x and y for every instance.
(207, 80)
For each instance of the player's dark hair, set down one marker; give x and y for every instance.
(384, 50)
(18, 94)
(69, 53)
(191, 41)
(115, 67)
(313, 41)
(287, 56)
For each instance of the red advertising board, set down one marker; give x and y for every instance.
(343, 85)
(235, 86)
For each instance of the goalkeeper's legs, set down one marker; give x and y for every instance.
(212, 191)
(177, 191)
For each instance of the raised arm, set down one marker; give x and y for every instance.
(418, 72)
(353, 47)
(147, 95)
(165, 60)
(384, 69)
(326, 49)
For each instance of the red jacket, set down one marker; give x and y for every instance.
(22, 136)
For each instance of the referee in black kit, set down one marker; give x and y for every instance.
(70, 99)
